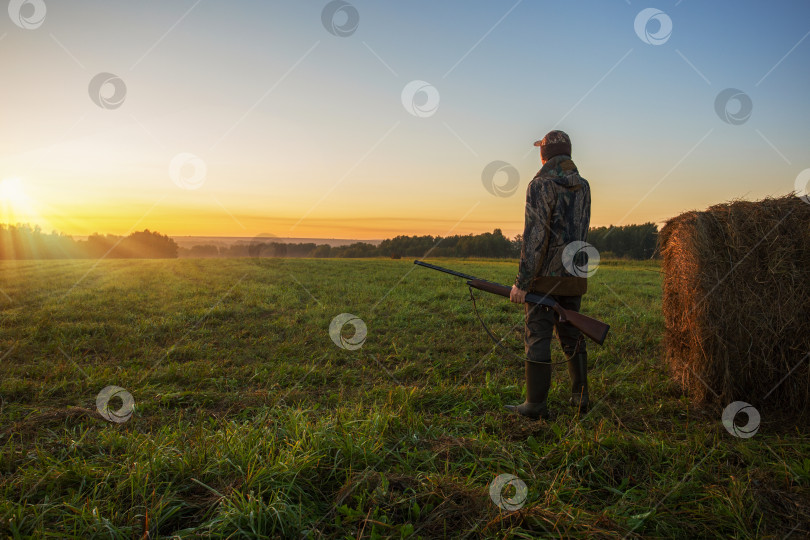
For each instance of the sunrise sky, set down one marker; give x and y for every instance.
(290, 121)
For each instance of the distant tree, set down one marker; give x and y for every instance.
(322, 250)
(627, 241)
(98, 245)
(301, 250)
(22, 241)
(277, 249)
(517, 246)
(356, 250)
(204, 251)
(147, 245)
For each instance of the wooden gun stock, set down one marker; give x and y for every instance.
(592, 328)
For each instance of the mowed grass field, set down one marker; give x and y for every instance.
(250, 422)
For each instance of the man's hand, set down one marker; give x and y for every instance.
(517, 296)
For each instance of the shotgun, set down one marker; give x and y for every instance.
(592, 328)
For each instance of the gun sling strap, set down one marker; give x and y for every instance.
(499, 342)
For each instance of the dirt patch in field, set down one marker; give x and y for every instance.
(786, 504)
(520, 428)
(452, 448)
(459, 508)
(203, 497)
(31, 425)
(445, 505)
(553, 525)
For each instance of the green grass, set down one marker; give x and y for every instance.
(251, 422)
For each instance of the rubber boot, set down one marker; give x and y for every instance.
(538, 381)
(578, 370)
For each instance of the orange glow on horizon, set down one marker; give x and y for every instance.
(219, 223)
(222, 214)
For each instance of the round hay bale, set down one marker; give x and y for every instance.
(736, 302)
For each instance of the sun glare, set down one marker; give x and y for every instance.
(16, 204)
(11, 191)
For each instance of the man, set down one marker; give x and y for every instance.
(558, 212)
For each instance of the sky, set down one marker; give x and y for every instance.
(370, 119)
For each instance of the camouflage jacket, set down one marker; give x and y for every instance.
(558, 212)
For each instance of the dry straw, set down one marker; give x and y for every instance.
(737, 302)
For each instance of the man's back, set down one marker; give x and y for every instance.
(558, 209)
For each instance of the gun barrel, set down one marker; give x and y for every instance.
(445, 270)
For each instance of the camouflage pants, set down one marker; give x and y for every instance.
(541, 322)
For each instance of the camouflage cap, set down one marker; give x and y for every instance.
(555, 142)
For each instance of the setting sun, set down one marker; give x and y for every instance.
(16, 204)
(11, 191)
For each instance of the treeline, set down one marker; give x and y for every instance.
(628, 241)
(493, 244)
(267, 248)
(26, 242)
